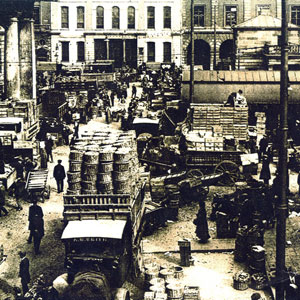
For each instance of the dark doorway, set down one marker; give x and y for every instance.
(116, 52)
(131, 53)
(202, 54)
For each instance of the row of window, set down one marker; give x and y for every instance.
(116, 17)
(230, 17)
(100, 50)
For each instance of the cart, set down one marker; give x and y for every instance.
(226, 162)
(36, 185)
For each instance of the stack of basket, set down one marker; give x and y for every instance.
(74, 173)
(260, 123)
(89, 172)
(104, 178)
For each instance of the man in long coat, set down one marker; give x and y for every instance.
(24, 271)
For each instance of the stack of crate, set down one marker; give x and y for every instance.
(260, 123)
(214, 144)
(233, 120)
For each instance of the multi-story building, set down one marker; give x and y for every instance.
(214, 21)
(127, 32)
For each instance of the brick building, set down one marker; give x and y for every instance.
(214, 21)
(78, 32)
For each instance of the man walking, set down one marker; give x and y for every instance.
(59, 174)
(48, 147)
(24, 272)
(36, 225)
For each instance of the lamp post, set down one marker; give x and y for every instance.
(282, 164)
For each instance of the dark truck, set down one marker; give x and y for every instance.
(102, 240)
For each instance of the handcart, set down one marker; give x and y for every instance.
(36, 185)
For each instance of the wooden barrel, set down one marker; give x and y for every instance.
(88, 185)
(122, 186)
(75, 166)
(178, 272)
(104, 177)
(157, 288)
(105, 167)
(157, 281)
(74, 185)
(91, 157)
(150, 274)
(105, 187)
(166, 274)
(74, 176)
(89, 192)
(122, 167)
(91, 169)
(121, 176)
(122, 155)
(76, 155)
(174, 290)
(106, 154)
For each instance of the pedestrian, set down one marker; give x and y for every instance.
(108, 116)
(19, 191)
(265, 173)
(29, 166)
(201, 224)
(24, 271)
(36, 225)
(133, 91)
(2, 199)
(65, 134)
(48, 147)
(18, 165)
(263, 144)
(59, 174)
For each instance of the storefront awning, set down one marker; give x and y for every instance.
(111, 229)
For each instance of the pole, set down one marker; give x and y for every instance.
(282, 165)
(192, 54)
(215, 38)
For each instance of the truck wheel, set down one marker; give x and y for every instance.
(122, 294)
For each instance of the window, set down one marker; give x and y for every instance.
(65, 56)
(80, 17)
(230, 15)
(115, 17)
(131, 17)
(295, 15)
(100, 50)
(263, 9)
(199, 16)
(36, 15)
(167, 17)
(151, 51)
(65, 17)
(80, 51)
(167, 52)
(100, 17)
(151, 17)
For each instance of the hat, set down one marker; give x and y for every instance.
(22, 253)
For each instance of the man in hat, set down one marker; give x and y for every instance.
(48, 147)
(59, 174)
(24, 271)
(36, 225)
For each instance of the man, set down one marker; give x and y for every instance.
(36, 225)
(2, 199)
(48, 147)
(59, 174)
(133, 91)
(24, 271)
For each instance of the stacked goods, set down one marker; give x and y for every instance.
(157, 188)
(241, 280)
(174, 290)
(185, 252)
(104, 163)
(257, 259)
(259, 281)
(232, 120)
(240, 251)
(74, 173)
(191, 293)
(260, 123)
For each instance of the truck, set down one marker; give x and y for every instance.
(102, 237)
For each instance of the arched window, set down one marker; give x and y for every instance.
(100, 17)
(131, 17)
(115, 17)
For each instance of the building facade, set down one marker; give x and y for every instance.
(126, 32)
